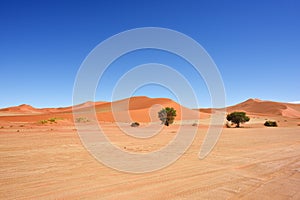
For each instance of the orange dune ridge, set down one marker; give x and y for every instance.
(144, 109)
(267, 108)
(141, 109)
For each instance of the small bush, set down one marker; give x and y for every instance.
(135, 124)
(81, 119)
(43, 121)
(52, 120)
(194, 124)
(271, 123)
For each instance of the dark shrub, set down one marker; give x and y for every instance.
(135, 124)
(270, 123)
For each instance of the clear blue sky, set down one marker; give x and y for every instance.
(254, 43)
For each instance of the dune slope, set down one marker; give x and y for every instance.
(267, 108)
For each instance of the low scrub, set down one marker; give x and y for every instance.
(135, 124)
(271, 123)
(43, 121)
(81, 119)
(51, 120)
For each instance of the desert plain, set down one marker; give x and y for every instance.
(42, 156)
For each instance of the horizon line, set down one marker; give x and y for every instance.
(257, 99)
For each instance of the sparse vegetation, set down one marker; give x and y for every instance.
(238, 118)
(43, 121)
(81, 119)
(167, 115)
(135, 124)
(271, 123)
(51, 120)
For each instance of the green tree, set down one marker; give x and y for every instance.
(167, 115)
(238, 118)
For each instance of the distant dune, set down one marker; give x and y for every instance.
(21, 109)
(141, 109)
(267, 108)
(144, 109)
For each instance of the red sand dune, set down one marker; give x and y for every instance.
(267, 108)
(144, 109)
(141, 109)
(24, 108)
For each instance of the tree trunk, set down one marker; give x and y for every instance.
(238, 125)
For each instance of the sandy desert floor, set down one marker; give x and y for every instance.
(49, 162)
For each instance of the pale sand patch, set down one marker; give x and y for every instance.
(248, 163)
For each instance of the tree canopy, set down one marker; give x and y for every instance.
(167, 115)
(237, 118)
